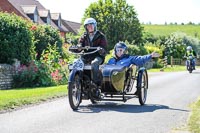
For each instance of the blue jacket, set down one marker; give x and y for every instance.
(127, 60)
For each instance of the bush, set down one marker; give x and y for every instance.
(15, 39)
(26, 76)
(43, 35)
(48, 71)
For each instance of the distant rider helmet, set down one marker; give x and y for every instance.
(120, 49)
(189, 48)
(90, 21)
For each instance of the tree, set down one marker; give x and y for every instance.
(117, 20)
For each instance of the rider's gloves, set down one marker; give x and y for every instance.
(79, 46)
(102, 51)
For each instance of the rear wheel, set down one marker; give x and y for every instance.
(74, 92)
(142, 86)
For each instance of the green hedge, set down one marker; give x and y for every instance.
(43, 35)
(15, 39)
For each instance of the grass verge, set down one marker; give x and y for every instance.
(175, 68)
(194, 121)
(12, 99)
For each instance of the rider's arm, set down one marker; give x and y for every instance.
(103, 44)
(140, 60)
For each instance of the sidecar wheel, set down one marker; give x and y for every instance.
(142, 86)
(74, 92)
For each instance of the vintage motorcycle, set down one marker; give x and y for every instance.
(190, 63)
(117, 82)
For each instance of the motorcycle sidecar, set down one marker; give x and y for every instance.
(118, 83)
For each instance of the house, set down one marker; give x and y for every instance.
(37, 13)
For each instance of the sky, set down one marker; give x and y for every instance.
(148, 11)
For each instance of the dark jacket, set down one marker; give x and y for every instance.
(99, 40)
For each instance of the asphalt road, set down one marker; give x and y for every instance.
(166, 110)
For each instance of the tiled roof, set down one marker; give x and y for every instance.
(18, 3)
(43, 12)
(72, 25)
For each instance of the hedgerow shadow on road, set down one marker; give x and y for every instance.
(126, 108)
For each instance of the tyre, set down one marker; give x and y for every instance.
(74, 92)
(142, 86)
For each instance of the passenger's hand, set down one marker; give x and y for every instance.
(154, 54)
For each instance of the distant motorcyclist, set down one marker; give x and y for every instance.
(190, 52)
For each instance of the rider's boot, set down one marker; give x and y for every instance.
(97, 90)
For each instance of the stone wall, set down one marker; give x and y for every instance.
(6, 72)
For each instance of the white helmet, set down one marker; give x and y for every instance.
(90, 21)
(189, 48)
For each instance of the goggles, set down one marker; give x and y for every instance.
(120, 50)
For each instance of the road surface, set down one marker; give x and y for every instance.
(166, 110)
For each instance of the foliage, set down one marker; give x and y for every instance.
(26, 75)
(49, 70)
(69, 58)
(72, 39)
(150, 47)
(117, 20)
(135, 50)
(176, 44)
(43, 35)
(52, 69)
(15, 39)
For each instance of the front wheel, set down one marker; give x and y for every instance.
(74, 92)
(142, 86)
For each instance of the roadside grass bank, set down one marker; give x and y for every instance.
(174, 68)
(15, 98)
(194, 120)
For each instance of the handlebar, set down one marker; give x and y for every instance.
(81, 50)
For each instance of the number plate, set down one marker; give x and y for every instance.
(77, 64)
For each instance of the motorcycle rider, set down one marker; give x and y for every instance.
(190, 51)
(94, 38)
(121, 56)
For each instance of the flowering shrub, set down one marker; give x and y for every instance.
(26, 76)
(44, 35)
(48, 71)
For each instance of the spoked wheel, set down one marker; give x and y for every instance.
(142, 86)
(74, 92)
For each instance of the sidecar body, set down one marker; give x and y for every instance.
(115, 78)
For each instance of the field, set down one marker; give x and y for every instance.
(163, 30)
